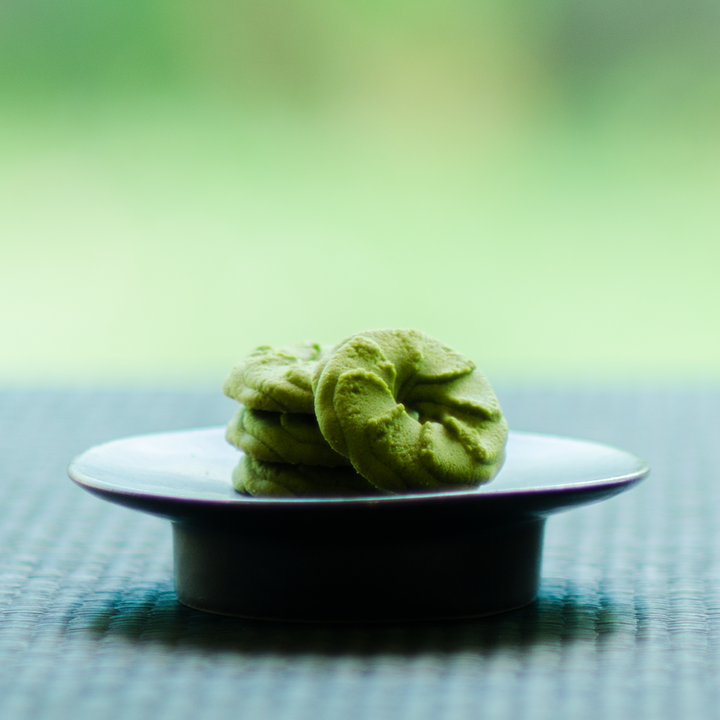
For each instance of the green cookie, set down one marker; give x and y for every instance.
(410, 413)
(281, 480)
(276, 380)
(282, 437)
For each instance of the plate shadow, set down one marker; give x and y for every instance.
(154, 615)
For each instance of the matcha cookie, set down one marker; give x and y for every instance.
(276, 380)
(281, 480)
(282, 437)
(410, 413)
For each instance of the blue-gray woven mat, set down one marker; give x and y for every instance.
(627, 624)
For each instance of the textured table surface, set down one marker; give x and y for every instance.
(627, 624)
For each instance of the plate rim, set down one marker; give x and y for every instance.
(93, 484)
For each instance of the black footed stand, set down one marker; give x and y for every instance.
(371, 559)
(302, 572)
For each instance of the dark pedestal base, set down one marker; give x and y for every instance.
(353, 576)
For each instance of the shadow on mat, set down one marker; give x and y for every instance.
(552, 619)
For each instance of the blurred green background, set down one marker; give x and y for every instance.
(535, 184)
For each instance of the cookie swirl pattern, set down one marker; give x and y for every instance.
(411, 414)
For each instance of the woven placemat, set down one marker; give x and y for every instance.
(627, 624)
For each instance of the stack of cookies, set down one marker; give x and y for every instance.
(285, 454)
(384, 411)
